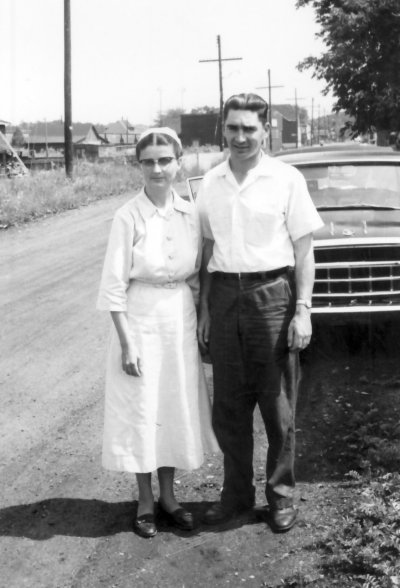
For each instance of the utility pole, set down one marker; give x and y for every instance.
(47, 145)
(183, 90)
(67, 90)
(296, 113)
(221, 94)
(269, 87)
(160, 109)
(312, 121)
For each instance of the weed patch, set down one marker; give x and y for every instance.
(43, 193)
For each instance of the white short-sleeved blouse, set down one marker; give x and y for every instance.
(150, 246)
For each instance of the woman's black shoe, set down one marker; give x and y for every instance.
(145, 526)
(180, 518)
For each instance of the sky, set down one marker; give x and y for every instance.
(132, 59)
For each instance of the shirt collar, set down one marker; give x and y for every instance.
(147, 209)
(263, 167)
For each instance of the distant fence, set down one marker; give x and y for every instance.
(36, 163)
(49, 163)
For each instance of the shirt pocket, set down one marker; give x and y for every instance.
(259, 227)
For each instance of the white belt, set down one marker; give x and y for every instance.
(169, 285)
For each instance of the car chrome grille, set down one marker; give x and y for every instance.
(358, 277)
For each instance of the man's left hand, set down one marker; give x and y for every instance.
(300, 329)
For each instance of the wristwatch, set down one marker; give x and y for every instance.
(306, 303)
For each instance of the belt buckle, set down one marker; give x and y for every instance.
(170, 285)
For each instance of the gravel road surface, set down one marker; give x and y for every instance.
(64, 521)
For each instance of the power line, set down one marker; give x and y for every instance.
(221, 94)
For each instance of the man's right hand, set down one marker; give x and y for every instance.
(203, 330)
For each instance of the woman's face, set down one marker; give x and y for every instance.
(159, 166)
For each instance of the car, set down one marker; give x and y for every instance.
(356, 189)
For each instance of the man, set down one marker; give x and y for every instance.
(256, 285)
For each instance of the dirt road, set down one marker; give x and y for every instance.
(65, 522)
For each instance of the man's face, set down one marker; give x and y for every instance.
(244, 134)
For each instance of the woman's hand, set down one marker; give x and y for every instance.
(131, 363)
(130, 358)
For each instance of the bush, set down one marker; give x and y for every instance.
(49, 192)
(367, 543)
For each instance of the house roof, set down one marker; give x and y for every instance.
(92, 138)
(286, 110)
(140, 128)
(59, 139)
(120, 127)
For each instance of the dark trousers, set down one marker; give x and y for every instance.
(252, 365)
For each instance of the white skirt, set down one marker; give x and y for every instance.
(163, 417)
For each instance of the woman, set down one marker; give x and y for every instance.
(157, 412)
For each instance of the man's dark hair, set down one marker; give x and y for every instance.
(249, 101)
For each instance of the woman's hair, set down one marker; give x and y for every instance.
(157, 139)
(249, 101)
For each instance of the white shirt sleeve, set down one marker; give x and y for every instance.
(117, 265)
(202, 211)
(194, 280)
(302, 217)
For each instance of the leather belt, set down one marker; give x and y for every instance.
(251, 276)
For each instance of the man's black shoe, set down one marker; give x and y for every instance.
(283, 519)
(218, 513)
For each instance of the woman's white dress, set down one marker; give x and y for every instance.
(162, 418)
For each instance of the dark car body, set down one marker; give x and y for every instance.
(356, 189)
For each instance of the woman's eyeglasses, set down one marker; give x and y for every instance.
(162, 162)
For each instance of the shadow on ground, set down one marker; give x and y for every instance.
(96, 518)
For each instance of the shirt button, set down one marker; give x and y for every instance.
(170, 256)
(169, 238)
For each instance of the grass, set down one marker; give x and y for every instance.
(364, 550)
(360, 546)
(43, 193)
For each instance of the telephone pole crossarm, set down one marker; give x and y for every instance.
(269, 88)
(227, 59)
(221, 94)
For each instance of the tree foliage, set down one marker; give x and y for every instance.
(171, 118)
(361, 63)
(18, 139)
(205, 110)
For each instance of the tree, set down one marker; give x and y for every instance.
(361, 64)
(18, 139)
(205, 110)
(171, 118)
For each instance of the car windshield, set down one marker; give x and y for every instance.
(353, 185)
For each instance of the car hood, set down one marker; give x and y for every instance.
(359, 223)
